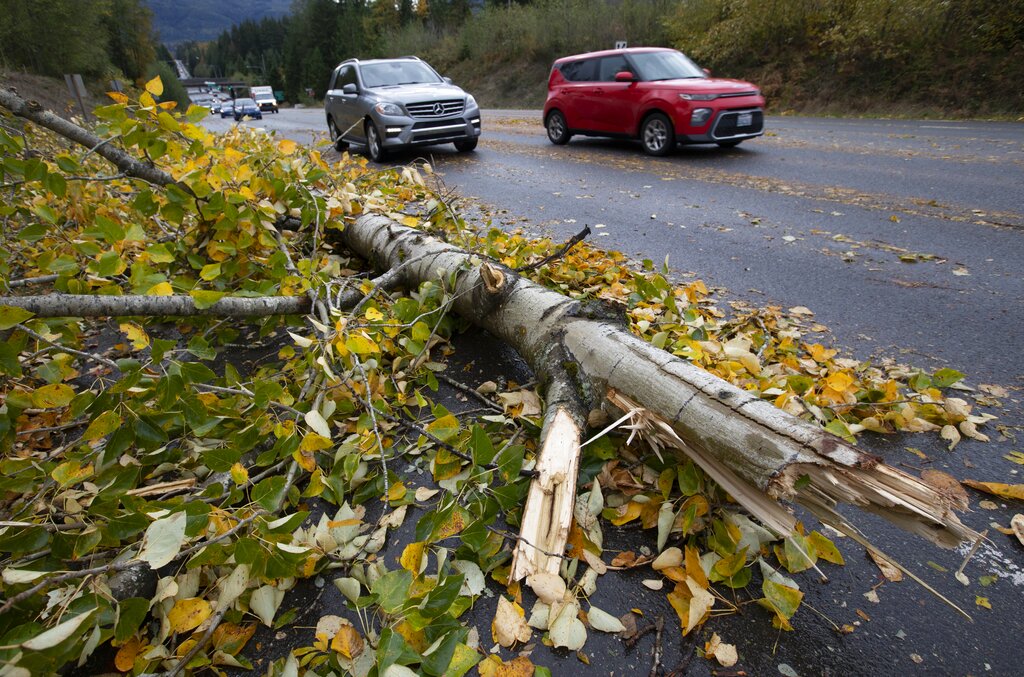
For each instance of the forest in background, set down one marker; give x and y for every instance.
(951, 57)
(102, 40)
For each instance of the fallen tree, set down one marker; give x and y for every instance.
(752, 449)
(117, 467)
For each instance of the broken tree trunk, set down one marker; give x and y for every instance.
(754, 450)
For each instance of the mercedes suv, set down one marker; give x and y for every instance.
(387, 104)
(653, 94)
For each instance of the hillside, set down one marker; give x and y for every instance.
(181, 20)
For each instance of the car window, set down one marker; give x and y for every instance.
(391, 73)
(610, 65)
(666, 65)
(584, 70)
(347, 76)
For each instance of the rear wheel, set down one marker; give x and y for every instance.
(558, 130)
(730, 144)
(339, 143)
(465, 145)
(374, 146)
(657, 135)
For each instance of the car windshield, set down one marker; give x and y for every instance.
(665, 66)
(391, 73)
(244, 102)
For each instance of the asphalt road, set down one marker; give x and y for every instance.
(905, 238)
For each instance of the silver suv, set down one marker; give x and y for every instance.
(386, 104)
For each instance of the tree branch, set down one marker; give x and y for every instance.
(91, 305)
(129, 165)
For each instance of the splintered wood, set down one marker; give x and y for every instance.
(548, 513)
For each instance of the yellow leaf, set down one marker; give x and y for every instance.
(412, 557)
(162, 289)
(188, 614)
(373, 315)
(983, 601)
(125, 658)
(239, 474)
(396, 491)
(305, 459)
(118, 97)
(155, 86)
(626, 513)
(347, 642)
(413, 637)
(840, 382)
(71, 472)
(361, 345)
(287, 146)
(410, 221)
(998, 489)
(313, 442)
(231, 638)
(136, 334)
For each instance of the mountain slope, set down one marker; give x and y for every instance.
(180, 20)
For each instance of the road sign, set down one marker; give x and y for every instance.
(621, 44)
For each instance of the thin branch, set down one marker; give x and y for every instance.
(72, 351)
(215, 621)
(569, 244)
(469, 391)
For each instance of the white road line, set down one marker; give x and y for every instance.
(941, 127)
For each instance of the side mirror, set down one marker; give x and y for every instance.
(706, 72)
(448, 80)
(350, 89)
(624, 76)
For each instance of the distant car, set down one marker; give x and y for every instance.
(387, 104)
(264, 98)
(246, 108)
(227, 110)
(653, 94)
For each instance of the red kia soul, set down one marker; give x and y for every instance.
(655, 94)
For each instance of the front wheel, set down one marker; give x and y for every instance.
(558, 130)
(729, 144)
(657, 135)
(374, 146)
(465, 145)
(339, 143)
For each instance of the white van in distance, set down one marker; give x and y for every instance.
(264, 97)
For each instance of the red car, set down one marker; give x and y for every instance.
(654, 94)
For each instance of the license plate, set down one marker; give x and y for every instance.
(744, 119)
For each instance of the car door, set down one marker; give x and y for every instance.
(342, 103)
(579, 76)
(613, 104)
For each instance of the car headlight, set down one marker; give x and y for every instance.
(471, 102)
(699, 116)
(698, 97)
(385, 108)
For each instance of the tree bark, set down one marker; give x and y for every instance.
(754, 450)
(90, 305)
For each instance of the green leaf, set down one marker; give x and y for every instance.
(800, 554)
(483, 449)
(10, 316)
(944, 378)
(205, 298)
(783, 599)
(101, 426)
(269, 493)
(130, 614)
(392, 590)
(53, 396)
(163, 540)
